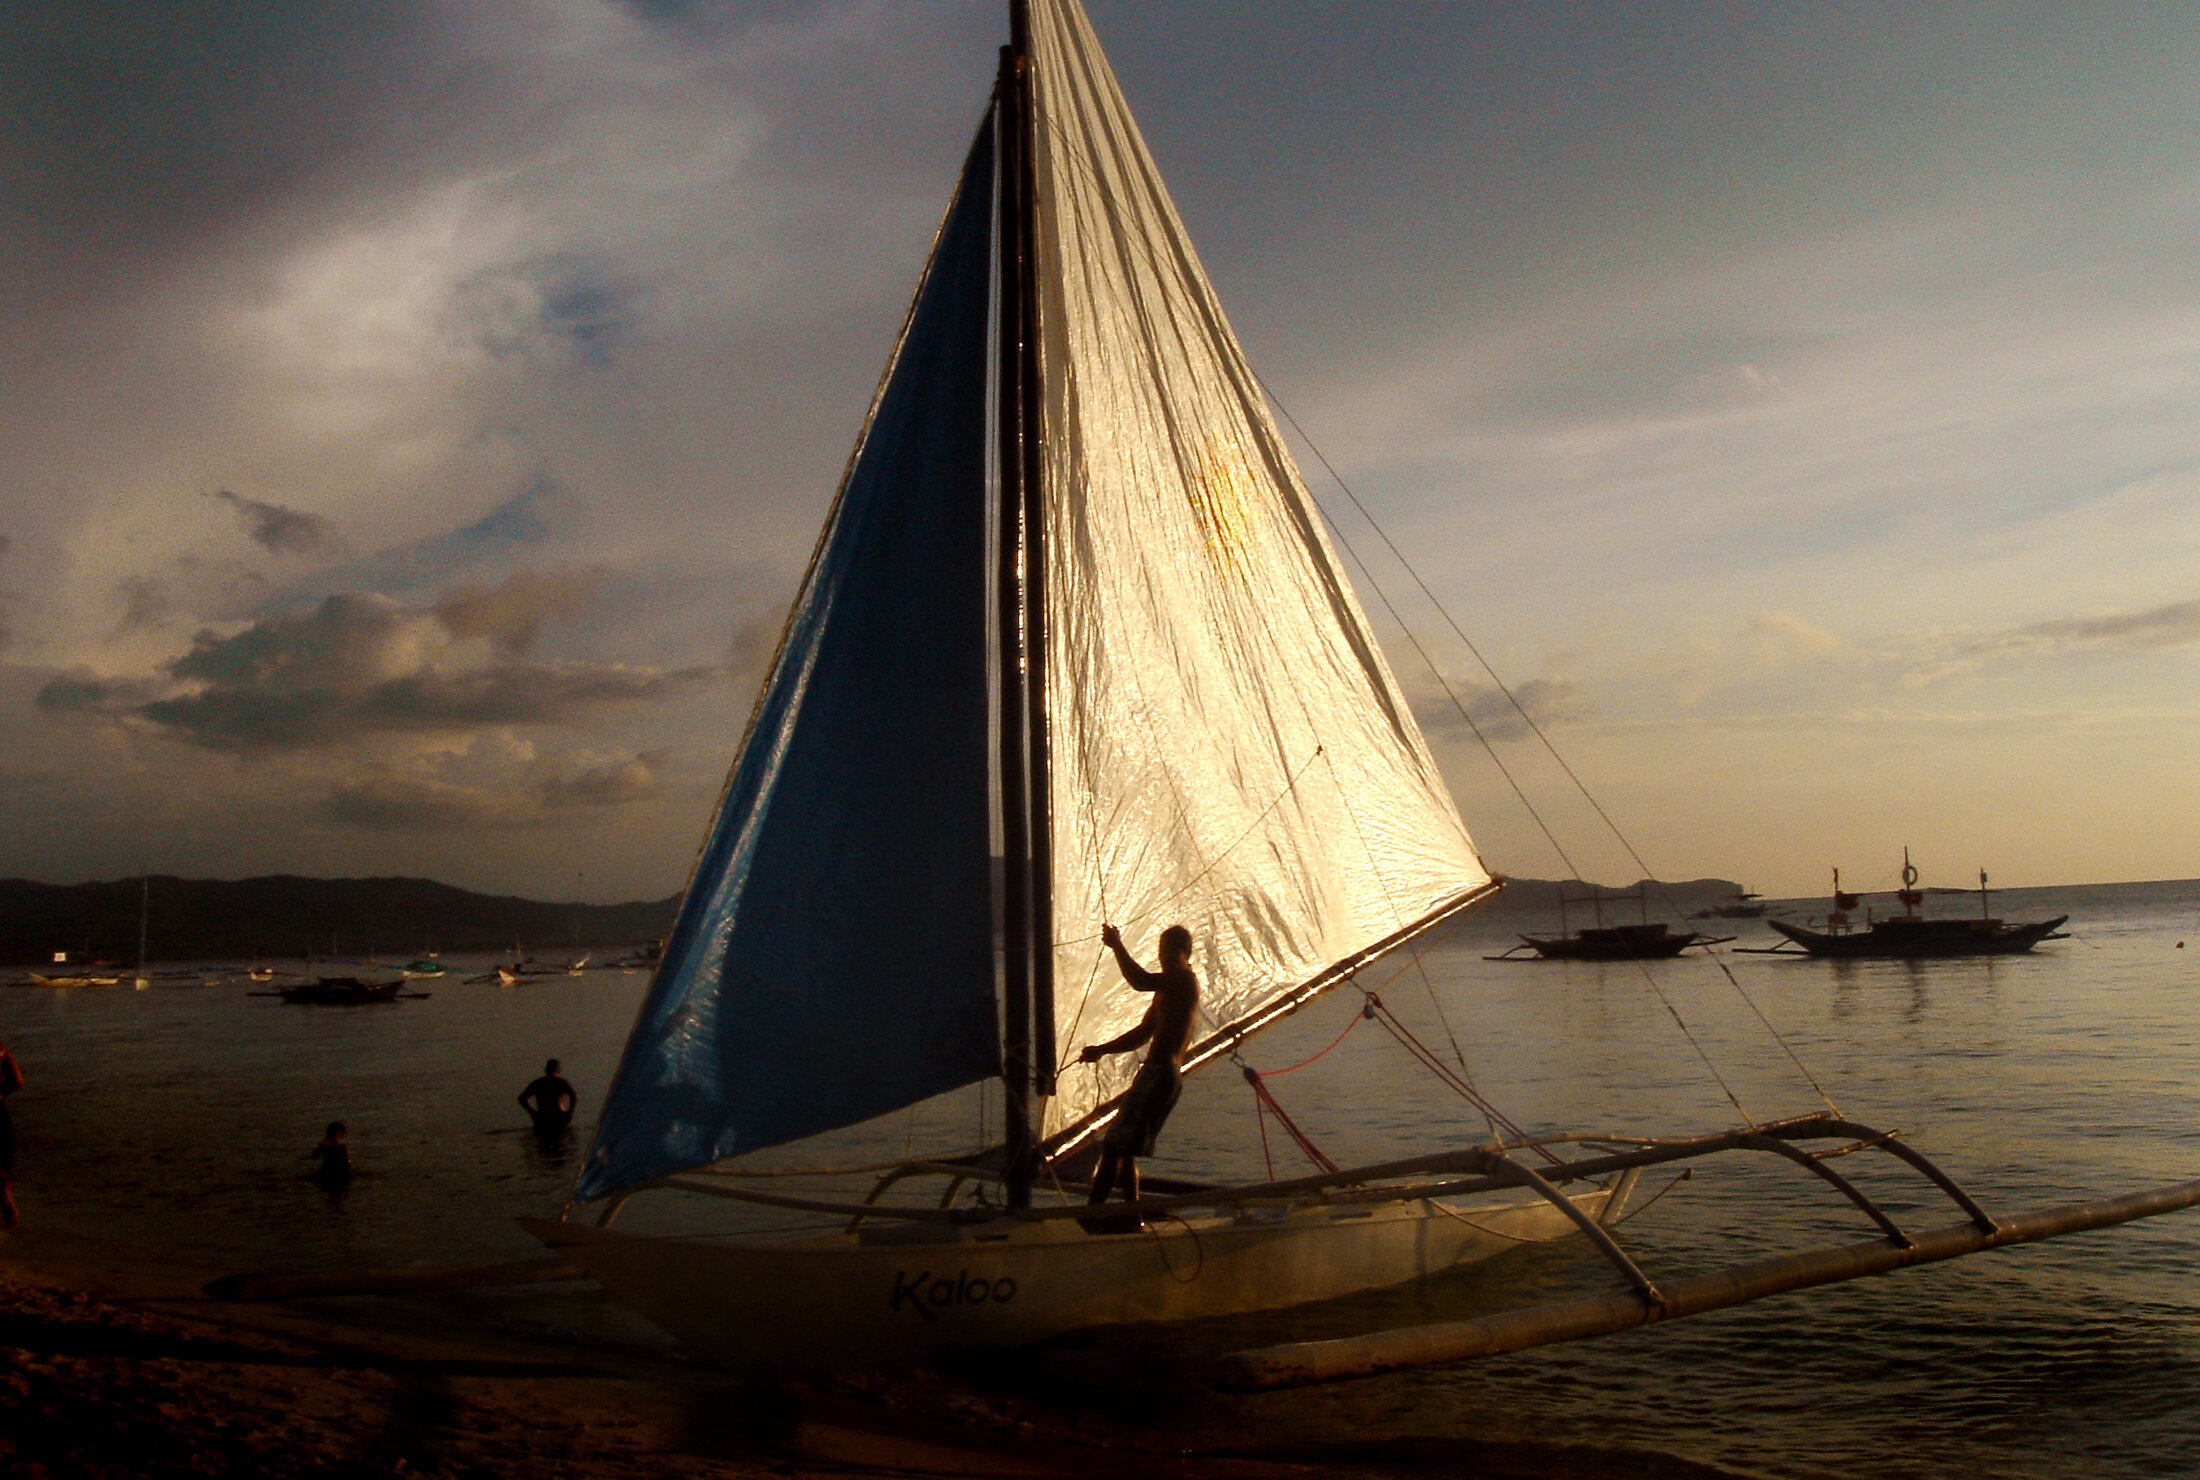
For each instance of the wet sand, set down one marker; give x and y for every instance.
(115, 1368)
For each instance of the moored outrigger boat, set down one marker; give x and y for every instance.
(1649, 941)
(1645, 940)
(1910, 935)
(1073, 648)
(340, 991)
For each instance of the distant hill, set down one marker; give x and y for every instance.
(283, 915)
(1541, 895)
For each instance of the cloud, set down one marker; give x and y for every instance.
(560, 308)
(1490, 714)
(359, 665)
(421, 795)
(523, 521)
(511, 612)
(2154, 629)
(405, 804)
(1784, 634)
(285, 531)
(608, 785)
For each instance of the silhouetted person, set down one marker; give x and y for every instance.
(549, 1101)
(11, 1080)
(334, 1156)
(1167, 1025)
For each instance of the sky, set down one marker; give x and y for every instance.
(417, 416)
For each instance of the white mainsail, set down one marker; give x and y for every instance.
(1227, 747)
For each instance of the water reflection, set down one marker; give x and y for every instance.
(549, 1148)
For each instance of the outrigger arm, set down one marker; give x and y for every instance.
(1299, 1364)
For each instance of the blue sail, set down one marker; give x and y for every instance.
(833, 959)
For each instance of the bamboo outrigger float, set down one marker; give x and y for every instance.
(1300, 1364)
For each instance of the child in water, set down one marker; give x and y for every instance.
(335, 1157)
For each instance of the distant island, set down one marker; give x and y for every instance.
(1690, 895)
(285, 916)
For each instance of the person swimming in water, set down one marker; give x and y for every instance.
(335, 1158)
(549, 1101)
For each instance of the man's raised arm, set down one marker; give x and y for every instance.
(1137, 976)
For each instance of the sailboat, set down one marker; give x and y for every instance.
(1073, 648)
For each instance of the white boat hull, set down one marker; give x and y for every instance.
(901, 1294)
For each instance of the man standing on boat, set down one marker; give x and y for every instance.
(1168, 1027)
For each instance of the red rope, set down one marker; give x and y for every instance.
(1325, 1053)
(1260, 1118)
(1443, 1072)
(1265, 1104)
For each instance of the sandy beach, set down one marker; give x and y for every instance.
(116, 1368)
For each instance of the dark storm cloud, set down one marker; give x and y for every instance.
(284, 531)
(354, 666)
(82, 695)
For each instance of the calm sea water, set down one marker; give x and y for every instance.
(176, 1121)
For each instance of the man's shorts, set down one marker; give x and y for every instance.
(1145, 1108)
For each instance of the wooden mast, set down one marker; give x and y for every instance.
(1036, 733)
(1027, 932)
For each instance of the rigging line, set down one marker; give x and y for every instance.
(1550, 837)
(1415, 963)
(1537, 730)
(1354, 1022)
(1466, 1091)
(1519, 792)
(1390, 898)
(1185, 888)
(1141, 244)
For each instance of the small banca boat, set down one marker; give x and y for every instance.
(1650, 941)
(67, 973)
(341, 991)
(1910, 935)
(1645, 940)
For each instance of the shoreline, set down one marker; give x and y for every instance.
(115, 1367)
